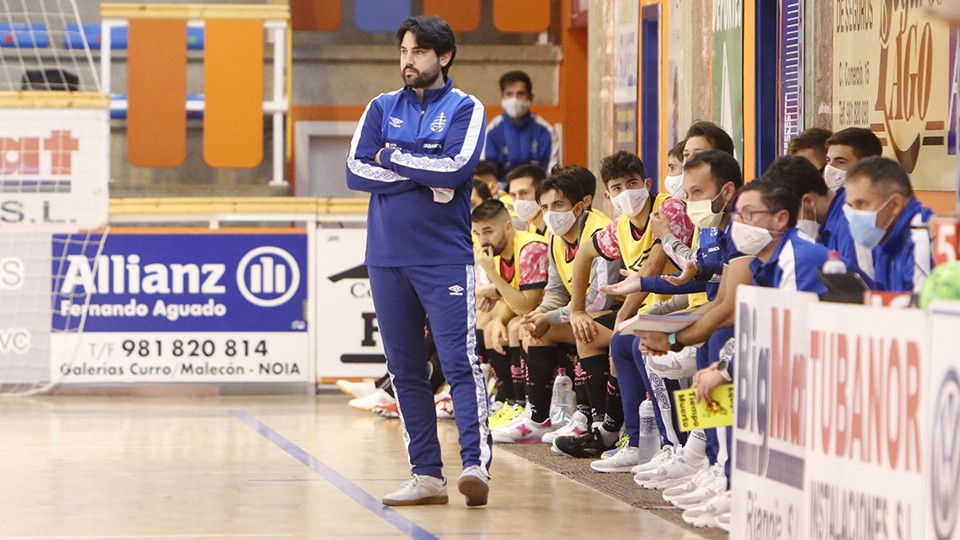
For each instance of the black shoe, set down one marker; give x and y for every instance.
(588, 445)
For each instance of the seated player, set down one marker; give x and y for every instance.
(811, 144)
(710, 180)
(886, 218)
(563, 200)
(821, 216)
(673, 181)
(516, 264)
(844, 149)
(630, 240)
(522, 184)
(703, 136)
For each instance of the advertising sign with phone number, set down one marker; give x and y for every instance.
(211, 307)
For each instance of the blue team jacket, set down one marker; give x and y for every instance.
(793, 266)
(715, 250)
(903, 260)
(420, 198)
(510, 145)
(835, 231)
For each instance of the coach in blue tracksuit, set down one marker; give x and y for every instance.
(414, 152)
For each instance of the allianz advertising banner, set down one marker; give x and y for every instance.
(213, 307)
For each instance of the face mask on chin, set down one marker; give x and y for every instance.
(809, 227)
(515, 107)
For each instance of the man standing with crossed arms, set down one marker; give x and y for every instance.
(414, 151)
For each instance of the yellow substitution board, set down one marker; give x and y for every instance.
(693, 415)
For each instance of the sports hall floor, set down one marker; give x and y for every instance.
(90, 467)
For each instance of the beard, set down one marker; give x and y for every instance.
(419, 79)
(496, 250)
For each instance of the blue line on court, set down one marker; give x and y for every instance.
(339, 481)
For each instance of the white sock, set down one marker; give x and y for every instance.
(696, 445)
(609, 437)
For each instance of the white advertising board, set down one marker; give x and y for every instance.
(54, 169)
(864, 427)
(769, 458)
(942, 506)
(348, 339)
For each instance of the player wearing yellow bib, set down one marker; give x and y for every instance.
(522, 184)
(564, 201)
(628, 239)
(516, 263)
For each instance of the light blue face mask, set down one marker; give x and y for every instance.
(863, 225)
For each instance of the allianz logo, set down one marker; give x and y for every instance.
(266, 276)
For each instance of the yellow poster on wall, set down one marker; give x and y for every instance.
(893, 73)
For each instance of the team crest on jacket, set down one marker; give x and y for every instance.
(438, 124)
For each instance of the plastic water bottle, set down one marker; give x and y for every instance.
(561, 403)
(834, 264)
(649, 436)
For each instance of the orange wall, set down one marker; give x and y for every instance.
(573, 89)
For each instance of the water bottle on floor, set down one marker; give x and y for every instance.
(649, 436)
(561, 403)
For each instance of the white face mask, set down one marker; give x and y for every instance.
(559, 222)
(809, 227)
(515, 107)
(702, 215)
(526, 210)
(749, 239)
(834, 177)
(630, 202)
(674, 186)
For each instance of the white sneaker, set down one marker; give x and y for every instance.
(663, 456)
(360, 389)
(674, 365)
(704, 486)
(623, 461)
(474, 484)
(526, 414)
(706, 514)
(722, 521)
(418, 490)
(576, 425)
(690, 485)
(678, 471)
(377, 399)
(524, 431)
